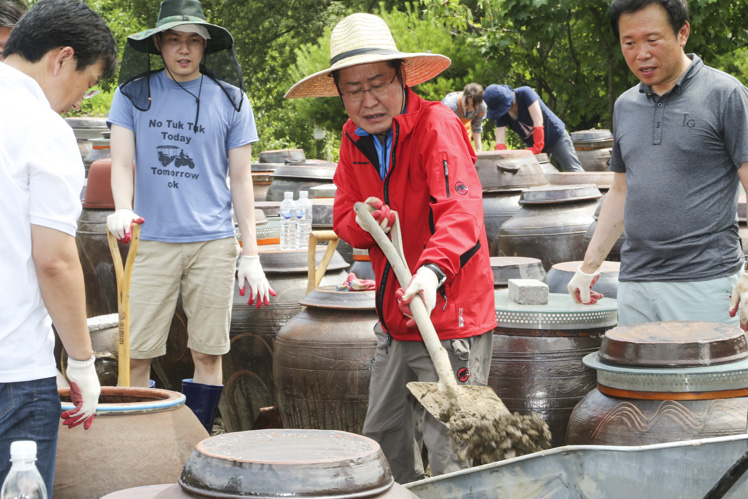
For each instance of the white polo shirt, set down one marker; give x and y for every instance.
(41, 177)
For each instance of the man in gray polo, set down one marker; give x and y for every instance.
(679, 156)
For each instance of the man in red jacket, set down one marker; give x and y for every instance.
(402, 153)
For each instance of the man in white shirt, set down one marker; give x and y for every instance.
(55, 54)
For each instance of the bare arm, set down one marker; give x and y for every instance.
(609, 225)
(122, 143)
(478, 143)
(501, 135)
(242, 196)
(58, 270)
(743, 176)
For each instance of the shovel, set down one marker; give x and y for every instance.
(477, 419)
(123, 300)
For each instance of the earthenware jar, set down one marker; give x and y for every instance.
(593, 148)
(663, 382)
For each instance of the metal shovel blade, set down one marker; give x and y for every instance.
(479, 401)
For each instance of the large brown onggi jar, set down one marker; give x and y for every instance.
(550, 224)
(322, 361)
(249, 384)
(141, 436)
(536, 365)
(503, 175)
(664, 382)
(593, 148)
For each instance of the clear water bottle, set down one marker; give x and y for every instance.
(303, 219)
(288, 222)
(23, 480)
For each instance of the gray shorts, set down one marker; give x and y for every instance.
(395, 419)
(707, 301)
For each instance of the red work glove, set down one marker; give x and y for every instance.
(381, 213)
(425, 283)
(580, 287)
(500, 147)
(84, 392)
(120, 223)
(538, 139)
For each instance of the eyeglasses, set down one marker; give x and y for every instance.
(377, 91)
(91, 93)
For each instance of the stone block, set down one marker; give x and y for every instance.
(528, 291)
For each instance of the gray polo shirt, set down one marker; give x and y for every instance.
(680, 152)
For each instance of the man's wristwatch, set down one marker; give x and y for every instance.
(440, 275)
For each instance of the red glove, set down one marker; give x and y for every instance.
(381, 213)
(500, 147)
(538, 139)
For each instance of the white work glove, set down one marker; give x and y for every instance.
(120, 223)
(739, 300)
(84, 392)
(259, 288)
(580, 287)
(425, 283)
(381, 213)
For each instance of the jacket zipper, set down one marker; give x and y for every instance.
(446, 176)
(380, 294)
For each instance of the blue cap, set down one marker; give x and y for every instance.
(498, 99)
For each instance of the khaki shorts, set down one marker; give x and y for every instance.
(204, 271)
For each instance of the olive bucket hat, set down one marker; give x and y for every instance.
(141, 58)
(175, 13)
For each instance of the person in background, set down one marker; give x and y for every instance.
(55, 54)
(10, 12)
(679, 154)
(402, 153)
(542, 131)
(192, 100)
(468, 105)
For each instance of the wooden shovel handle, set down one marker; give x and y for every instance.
(124, 275)
(438, 354)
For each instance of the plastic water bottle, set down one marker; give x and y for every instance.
(303, 219)
(288, 222)
(23, 480)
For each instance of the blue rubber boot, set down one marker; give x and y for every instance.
(203, 400)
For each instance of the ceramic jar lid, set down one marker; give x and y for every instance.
(287, 463)
(560, 313)
(515, 267)
(329, 297)
(283, 156)
(554, 194)
(677, 359)
(323, 191)
(508, 170)
(603, 180)
(313, 172)
(676, 343)
(592, 139)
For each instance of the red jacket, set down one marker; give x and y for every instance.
(434, 187)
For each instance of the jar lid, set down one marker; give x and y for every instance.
(508, 170)
(592, 139)
(553, 194)
(603, 180)
(305, 172)
(674, 343)
(560, 313)
(266, 167)
(287, 463)
(282, 156)
(323, 191)
(515, 267)
(329, 297)
(607, 267)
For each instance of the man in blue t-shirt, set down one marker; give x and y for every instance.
(187, 129)
(542, 131)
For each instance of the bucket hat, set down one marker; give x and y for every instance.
(173, 13)
(141, 58)
(498, 99)
(364, 39)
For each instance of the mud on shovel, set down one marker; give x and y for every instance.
(124, 276)
(477, 419)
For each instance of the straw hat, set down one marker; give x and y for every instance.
(364, 39)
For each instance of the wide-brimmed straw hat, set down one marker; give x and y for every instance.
(498, 99)
(364, 39)
(173, 13)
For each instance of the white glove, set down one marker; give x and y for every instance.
(739, 300)
(259, 288)
(120, 223)
(381, 213)
(580, 287)
(84, 392)
(425, 283)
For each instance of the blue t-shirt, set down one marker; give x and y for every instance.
(522, 126)
(181, 170)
